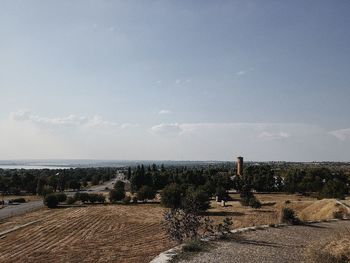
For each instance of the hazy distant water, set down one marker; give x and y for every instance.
(4, 166)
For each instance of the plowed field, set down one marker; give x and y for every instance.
(112, 233)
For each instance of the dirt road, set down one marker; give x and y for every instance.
(20, 209)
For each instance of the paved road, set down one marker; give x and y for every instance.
(20, 209)
(273, 245)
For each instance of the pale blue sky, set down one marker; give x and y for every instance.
(177, 80)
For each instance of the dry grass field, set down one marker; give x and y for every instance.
(118, 233)
(111, 233)
(307, 208)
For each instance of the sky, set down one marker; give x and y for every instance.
(175, 80)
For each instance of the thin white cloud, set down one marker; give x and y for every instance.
(342, 134)
(274, 135)
(129, 125)
(166, 129)
(178, 81)
(244, 71)
(272, 131)
(241, 72)
(164, 112)
(70, 120)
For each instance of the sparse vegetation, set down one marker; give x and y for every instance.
(289, 216)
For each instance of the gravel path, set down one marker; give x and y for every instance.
(277, 245)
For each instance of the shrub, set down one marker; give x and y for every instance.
(70, 200)
(146, 193)
(224, 228)
(93, 198)
(289, 217)
(135, 199)
(100, 198)
(84, 197)
(46, 190)
(196, 200)
(119, 184)
(221, 193)
(254, 203)
(171, 196)
(338, 215)
(17, 200)
(116, 194)
(126, 200)
(51, 201)
(61, 197)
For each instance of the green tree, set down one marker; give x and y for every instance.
(146, 193)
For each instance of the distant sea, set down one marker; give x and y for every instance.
(84, 163)
(4, 166)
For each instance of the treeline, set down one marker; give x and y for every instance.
(178, 183)
(39, 181)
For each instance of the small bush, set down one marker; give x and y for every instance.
(84, 197)
(126, 200)
(116, 195)
(146, 193)
(338, 215)
(224, 228)
(119, 184)
(221, 194)
(61, 197)
(254, 203)
(287, 202)
(289, 217)
(135, 199)
(100, 198)
(51, 201)
(171, 196)
(17, 200)
(47, 190)
(70, 200)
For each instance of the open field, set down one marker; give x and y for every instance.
(119, 233)
(307, 208)
(111, 233)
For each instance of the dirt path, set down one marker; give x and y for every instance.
(274, 245)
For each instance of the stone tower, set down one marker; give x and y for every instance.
(240, 165)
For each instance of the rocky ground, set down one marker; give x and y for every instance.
(273, 245)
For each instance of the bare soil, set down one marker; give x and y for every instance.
(110, 233)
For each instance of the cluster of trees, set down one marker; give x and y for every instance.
(323, 181)
(200, 183)
(44, 181)
(180, 185)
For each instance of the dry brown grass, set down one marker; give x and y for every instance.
(336, 250)
(111, 233)
(306, 208)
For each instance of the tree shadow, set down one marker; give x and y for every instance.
(221, 213)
